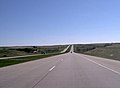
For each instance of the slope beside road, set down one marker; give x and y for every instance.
(70, 70)
(20, 59)
(33, 54)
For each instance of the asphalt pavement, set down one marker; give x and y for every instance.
(70, 70)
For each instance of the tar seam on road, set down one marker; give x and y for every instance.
(103, 66)
(40, 80)
(43, 77)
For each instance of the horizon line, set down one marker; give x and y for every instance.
(55, 44)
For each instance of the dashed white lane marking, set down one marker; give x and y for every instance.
(104, 66)
(51, 68)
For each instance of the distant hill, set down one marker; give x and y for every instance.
(106, 50)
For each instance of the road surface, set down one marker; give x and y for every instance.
(69, 70)
(65, 49)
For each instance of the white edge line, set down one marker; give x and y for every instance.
(104, 66)
(51, 68)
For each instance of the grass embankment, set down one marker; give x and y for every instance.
(29, 50)
(12, 61)
(108, 50)
(7, 62)
(82, 48)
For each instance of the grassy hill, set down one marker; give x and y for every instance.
(81, 48)
(111, 52)
(28, 50)
(107, 50)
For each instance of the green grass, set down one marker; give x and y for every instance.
(7, 62)
(10, 53)
(14, 51)
(29, 50)
(108, 50)
(81, 48)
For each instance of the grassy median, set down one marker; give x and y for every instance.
(45, 51)
(7, 62)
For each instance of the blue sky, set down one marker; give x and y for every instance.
(46, 22)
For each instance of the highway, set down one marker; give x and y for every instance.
(65, 49)
(70, 70)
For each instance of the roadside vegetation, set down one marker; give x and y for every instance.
(29, 50)
(106, 50)
(7, 62)
(48, 51)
